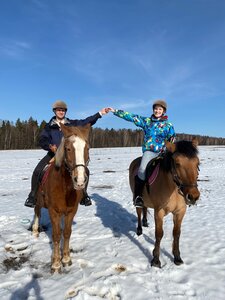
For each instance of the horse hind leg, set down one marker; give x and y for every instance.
(139, 214)
(144, 219)
(35, 226)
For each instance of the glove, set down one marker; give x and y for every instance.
(53, 148)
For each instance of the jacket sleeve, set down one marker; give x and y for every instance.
(136, 119)
(92, 120)
(45, 139)
(171, 137)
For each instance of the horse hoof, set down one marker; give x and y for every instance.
(144, 223)
(139, 231)
(67, 264)
(156, 263)
(56, 267)
(178, 261)
(35, 234)
(56, 270)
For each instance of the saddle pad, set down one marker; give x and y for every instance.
(153, 175)
(46, 172)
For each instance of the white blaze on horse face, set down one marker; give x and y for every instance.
(79, 146)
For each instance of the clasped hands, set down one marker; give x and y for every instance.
(106, 110)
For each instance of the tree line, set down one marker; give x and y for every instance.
(25, 135)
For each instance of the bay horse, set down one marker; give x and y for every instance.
(62, 190)
(173, 189)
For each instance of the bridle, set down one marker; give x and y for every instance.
(70, 170)
(180, 185)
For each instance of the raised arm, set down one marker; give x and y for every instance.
(130, 117)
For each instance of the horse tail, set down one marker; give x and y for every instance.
(60, 154)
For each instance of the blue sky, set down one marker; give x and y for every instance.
(119, 53)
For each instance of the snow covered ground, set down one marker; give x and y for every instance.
(109, 260)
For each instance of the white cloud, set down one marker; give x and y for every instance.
(14, 48)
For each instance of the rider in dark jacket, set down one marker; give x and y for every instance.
(50, 139)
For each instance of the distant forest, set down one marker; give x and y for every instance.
(25, 135)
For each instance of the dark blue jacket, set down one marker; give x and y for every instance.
(52, 134)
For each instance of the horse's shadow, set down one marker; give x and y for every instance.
(119, 220)
(23, 293)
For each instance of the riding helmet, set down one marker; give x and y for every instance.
(59, 104)
(161, 103)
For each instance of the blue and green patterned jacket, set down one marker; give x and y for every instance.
(156, 131)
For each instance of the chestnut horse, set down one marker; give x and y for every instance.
(174, 188)
(61, 190)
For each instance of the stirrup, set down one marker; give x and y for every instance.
(86, 200)
(138, 202)
(30, 202)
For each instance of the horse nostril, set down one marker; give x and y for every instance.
(194, 197)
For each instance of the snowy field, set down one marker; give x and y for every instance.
(109, 260)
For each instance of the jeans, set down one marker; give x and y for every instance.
(146, 157)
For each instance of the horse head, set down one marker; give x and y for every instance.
(74, 152)
(185, 168)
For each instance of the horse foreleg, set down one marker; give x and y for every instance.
(66, 260)
(139, 213)
(56, 237)
(158, 237)
(177, 220)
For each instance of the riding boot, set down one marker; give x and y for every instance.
(36, 178)
(138, 191)
(31, 200)
(86, 200)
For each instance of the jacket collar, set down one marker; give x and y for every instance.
(54, 123)
(161, 119)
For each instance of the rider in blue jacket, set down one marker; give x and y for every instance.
(50, 139)
(157, 129)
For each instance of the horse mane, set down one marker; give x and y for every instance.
(187, 148)
(60, 154)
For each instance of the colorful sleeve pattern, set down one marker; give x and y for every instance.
(136, 119)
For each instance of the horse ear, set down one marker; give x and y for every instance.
(195, 142)
(66, 130)
(170, 147)
(86, 129)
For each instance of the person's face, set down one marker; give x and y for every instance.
(158, 111)
(60, 113)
